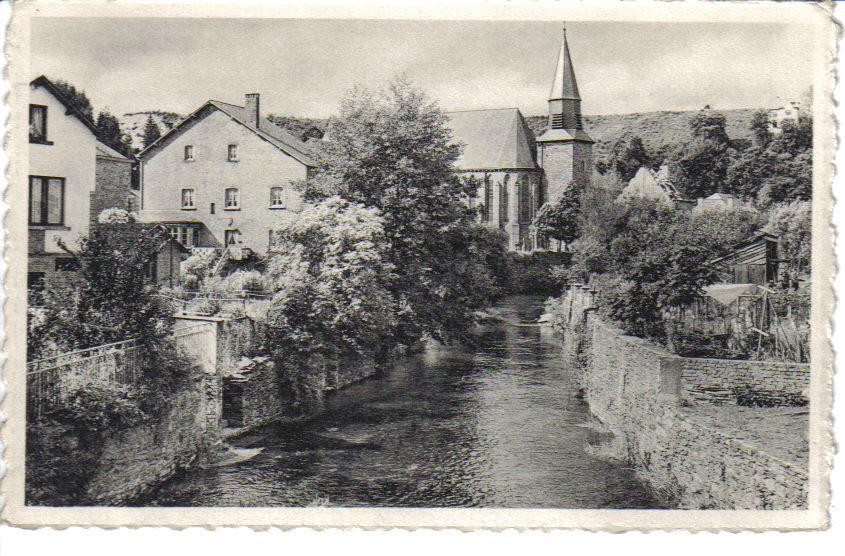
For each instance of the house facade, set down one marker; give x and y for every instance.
(223, 176)
(518, 174)
(62, 180)
(789, 112)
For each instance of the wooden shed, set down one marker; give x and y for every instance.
(753, 261)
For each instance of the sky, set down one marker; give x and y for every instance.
(304, 67)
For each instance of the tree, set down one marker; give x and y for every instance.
(77, 97)
(110, 133)
(702, 163)
(760, 129)
(793, 223)
(330, 275)
(393, 151)
(626, 156)
(151, 131)
(112, 300)
(561, 221)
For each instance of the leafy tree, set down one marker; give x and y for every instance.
(561, 221)
(793, 224)
(330, 275)
(112, 300)
(151, 131)
(77, 97)
(110, 133)
(702, 163)
(760, 129)
(393, 151)
(626, 156)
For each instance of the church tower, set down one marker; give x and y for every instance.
(564, 151)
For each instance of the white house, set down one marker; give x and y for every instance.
(62, 178)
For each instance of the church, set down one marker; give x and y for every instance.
(518, 174)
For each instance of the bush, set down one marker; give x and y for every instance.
(539, 273)
(196, 268)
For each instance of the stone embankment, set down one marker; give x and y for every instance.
(681, 422)
(231, 394)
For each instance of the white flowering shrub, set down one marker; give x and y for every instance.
(114, 216)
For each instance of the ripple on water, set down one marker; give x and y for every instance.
(498, 425)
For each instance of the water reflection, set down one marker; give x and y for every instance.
(498, 425)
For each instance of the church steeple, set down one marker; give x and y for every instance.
(564, 98)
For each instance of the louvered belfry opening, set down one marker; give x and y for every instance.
(557, 121)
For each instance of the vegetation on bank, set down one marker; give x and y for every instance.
(111, 301)
(648, 260)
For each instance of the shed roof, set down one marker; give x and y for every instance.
(492, 139)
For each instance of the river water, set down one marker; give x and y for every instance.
(497, 425)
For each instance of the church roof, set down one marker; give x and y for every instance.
(564, 85)
(492, 139)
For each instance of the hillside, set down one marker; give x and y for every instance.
(654, 128)
(133, 124)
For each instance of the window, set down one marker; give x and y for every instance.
(504, 202)
(37, 123)
(232, 199)
(277, 197)
(271, 239)
(233, 153)
(188, 199)
(232, 237)
(46, 201)
(186, 235)
(189, 152)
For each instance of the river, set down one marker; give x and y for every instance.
(497, 425)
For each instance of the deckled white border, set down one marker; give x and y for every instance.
(607, 520)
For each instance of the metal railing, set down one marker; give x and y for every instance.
(119, 363)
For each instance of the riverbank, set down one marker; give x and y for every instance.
(685, 423)
(493, 425)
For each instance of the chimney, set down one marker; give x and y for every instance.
(252, 105)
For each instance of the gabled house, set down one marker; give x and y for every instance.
(62, 181)
(651, 184)
(223, 176)
(113, 181)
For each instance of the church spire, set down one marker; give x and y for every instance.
(564, 85)
(564, 98)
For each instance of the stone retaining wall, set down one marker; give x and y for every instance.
(721, 381)
(652, 402)
(135, 460)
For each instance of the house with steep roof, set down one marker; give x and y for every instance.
(651, 184)
(518, 174)
(223, 176)
(67, 183)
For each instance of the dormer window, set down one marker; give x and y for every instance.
(233, 153)
(38, 124)
(233, 201)
(277, 197)
(189, 152)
